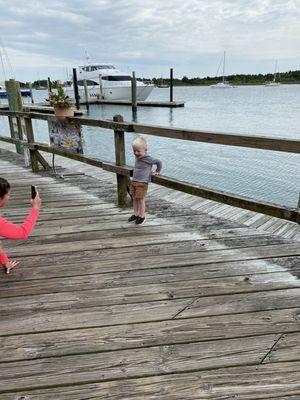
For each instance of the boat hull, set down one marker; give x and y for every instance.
(24, 93)
(112, 93)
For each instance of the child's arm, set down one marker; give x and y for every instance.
(158, 164)
(5, 261)
(13, 231)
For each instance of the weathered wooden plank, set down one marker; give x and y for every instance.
(161, 269)
(108, 338)
(156, 360)
(286, 349)
(227, 304)
(278, 381)
(96, 290)
(263, 252)
(38, 321)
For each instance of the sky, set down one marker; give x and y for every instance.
(50, 37)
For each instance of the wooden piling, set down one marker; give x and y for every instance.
(122, 181)
(75, 86)
(101, 87)
(133, 93)
(171, 84)
(49, 84)
(31, 94)
(86, 95)
(15, 104)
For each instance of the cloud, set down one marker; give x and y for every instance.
(150, 34)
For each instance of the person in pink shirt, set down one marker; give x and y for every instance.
(9, 230)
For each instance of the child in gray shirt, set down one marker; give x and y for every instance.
(142, 173)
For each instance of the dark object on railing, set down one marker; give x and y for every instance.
(75, 86)
(171, 85)
(49, 85)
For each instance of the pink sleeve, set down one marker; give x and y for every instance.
(9, 230)
(3, 258)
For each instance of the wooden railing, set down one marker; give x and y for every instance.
(123, 171)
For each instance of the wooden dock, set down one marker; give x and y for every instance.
(170, 104)
(187, 306)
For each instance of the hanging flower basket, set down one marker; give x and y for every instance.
(62, 104)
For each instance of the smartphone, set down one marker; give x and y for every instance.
(33, 191)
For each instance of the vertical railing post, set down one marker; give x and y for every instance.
(120, 160)
(30, 140)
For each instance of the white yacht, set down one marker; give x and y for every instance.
(105, 82)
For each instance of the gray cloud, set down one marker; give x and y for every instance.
(152, 35)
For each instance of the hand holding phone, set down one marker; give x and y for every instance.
(33, 191)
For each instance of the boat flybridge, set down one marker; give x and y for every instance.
(105, 82)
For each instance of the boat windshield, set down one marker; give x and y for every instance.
(88, 82)
(89, 68)
(117, 78)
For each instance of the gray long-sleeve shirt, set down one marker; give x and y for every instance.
(143, 167)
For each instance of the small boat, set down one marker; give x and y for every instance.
(106, 82)
(3, 93)
(162, 85)
(224, 84)
(274, 82)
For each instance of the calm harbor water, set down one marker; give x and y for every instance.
(254, 110)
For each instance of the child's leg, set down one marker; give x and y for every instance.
(141, 207)
(135, 206)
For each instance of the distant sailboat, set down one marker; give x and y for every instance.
(274, 82)
(162, 84)
(224, 84)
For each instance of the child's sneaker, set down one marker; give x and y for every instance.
(140, 220)
(132, 218)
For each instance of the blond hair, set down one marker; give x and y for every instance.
(140, 142)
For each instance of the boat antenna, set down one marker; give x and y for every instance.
(87, 57)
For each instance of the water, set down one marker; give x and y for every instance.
(252, 110)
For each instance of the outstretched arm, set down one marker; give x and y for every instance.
(9, 230)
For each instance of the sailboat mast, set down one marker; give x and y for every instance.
(224, 67)
(275, 71)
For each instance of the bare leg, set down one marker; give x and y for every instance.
(135, 206)
(141, 208)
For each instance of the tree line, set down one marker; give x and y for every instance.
(237, 79)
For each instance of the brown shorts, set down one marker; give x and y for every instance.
(138, 190)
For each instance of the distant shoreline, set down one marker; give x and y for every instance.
(235, 84)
